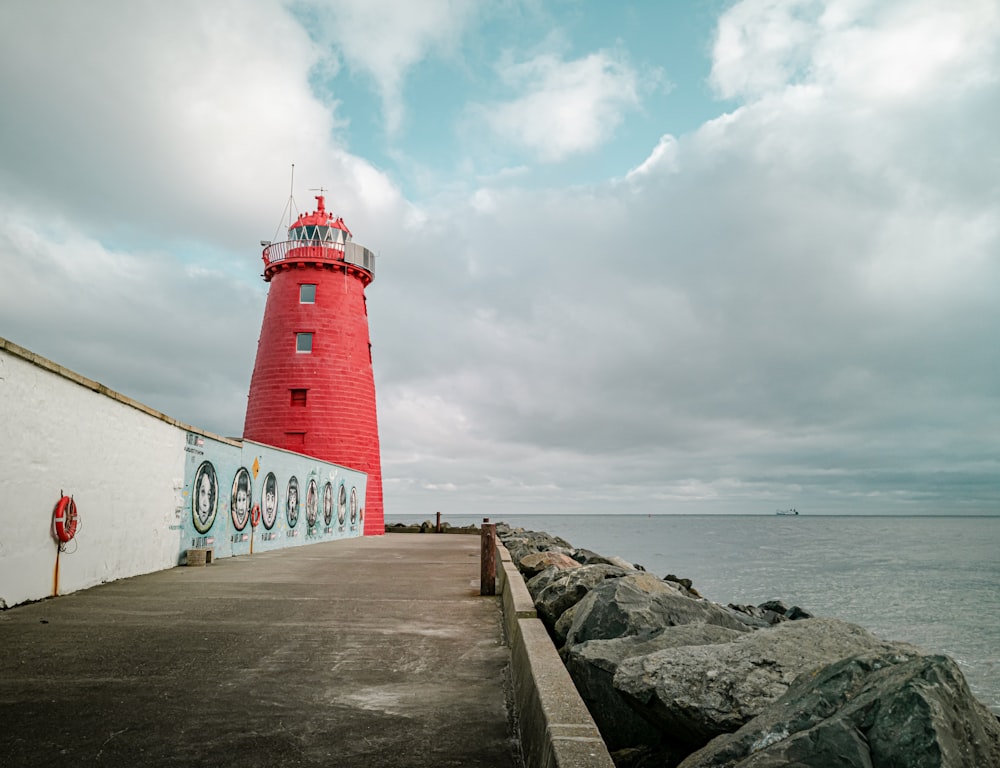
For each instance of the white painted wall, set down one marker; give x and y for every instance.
(123, 465)
(130, 470)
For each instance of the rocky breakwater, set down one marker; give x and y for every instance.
(673, 679)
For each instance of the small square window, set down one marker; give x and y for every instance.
(299, 397)
(307, 294)
(304, 342)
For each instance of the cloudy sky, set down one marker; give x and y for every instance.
(668, 257)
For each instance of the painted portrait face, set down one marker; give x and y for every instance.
(328, 503)
(204, 495)
(240, 501)
(292, 503)
(342, 505)
(269, 514)
(312, 503)
(354, 505)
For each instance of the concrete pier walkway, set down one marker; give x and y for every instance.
(367, 652)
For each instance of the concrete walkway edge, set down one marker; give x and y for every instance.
(557, 730)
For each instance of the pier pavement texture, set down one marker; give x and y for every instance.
(365, 652)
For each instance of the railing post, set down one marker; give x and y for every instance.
(488, 559)
(437, 528)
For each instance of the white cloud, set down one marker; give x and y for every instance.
(169, 121)
(662, 159)
(795, 299)
(385, 38)
(912, 50)
(798, 298)
(176, 337)
(876, 51)
(567, 107)
(762, 45)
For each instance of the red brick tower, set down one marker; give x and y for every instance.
(312, 389)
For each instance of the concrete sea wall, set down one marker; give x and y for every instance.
(556, 728)
(147, 487)
(674, 680)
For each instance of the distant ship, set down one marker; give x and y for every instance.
(787, 512)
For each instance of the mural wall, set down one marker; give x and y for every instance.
(146, 486)
(251, 497)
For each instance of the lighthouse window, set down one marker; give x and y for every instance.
(303, 342)
(299, 397)
(307, 294)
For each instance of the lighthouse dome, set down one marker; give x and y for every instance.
(319, 226)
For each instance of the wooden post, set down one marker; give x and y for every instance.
(438, 528)
(488, 560)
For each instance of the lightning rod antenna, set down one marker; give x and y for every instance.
(290, 207)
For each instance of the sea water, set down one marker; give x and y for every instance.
(931, 581)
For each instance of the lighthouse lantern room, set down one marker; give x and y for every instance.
(313, 390)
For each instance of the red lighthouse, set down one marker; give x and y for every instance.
(312, 389)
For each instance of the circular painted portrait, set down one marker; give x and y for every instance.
(204, 497)
(292, 502)
(328, 503)
(239, 503)
(312, 503)
(269, 501)
(342, 505)
(354, 505)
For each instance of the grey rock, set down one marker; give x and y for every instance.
(684, 584)
(588, 557)
(880, 710)
(521, 543)
(562, 626)
(641, 603)
(540, 581)
(593, 664)
(569, 587)
(755, 616)
(700, 692)
(536, 562)
(795, 613)
(777, 606)
(621, 562)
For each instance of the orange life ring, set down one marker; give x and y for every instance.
(65, 519)
(255, 515)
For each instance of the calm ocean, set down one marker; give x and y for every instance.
(931, 581)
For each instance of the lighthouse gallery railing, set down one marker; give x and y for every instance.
(352, 253)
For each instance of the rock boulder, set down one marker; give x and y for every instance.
(520, 542)
(569, 587)
(536, 562)
(881, 710)
(593, 664)
(641, 603)
(696, 693)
